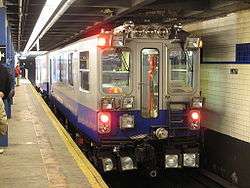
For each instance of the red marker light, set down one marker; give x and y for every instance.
(104, 118)
(194, 118)
(104, 40)
(104, 122)
(195, 115)
(101, 42)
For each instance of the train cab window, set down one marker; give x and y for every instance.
(150, 82)
(181, 71)
(84, 70)
(115, 63)
(70, 69)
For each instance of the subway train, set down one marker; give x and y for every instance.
(132, 93)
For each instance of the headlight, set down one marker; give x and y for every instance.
(191, 159)
(107, 103)
(171, 161)
(127, 163)
(127, 121)
(128, 102)
(197, 102)
(107, 164)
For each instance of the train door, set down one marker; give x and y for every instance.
(150, 58)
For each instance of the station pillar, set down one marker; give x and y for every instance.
(3, 56)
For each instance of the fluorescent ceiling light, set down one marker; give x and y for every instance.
(48, 10)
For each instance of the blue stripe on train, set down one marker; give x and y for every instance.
(85, 119)
(80, 116)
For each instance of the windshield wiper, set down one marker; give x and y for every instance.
(122, 58)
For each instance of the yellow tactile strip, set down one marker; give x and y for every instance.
(91, 174)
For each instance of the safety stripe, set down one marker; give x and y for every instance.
(93, 177)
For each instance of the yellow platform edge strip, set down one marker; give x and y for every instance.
(91, 174)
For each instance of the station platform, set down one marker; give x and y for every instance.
(40, 152)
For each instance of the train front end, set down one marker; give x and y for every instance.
(149, 103)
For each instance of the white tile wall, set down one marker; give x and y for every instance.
(227, 95)
(227, 99)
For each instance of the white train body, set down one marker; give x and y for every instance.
(124, 92)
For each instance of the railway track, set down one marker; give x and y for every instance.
(170, 179)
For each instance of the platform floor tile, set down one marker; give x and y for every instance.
(36, 156)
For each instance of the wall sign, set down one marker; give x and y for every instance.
(2, 54)
(234, 71)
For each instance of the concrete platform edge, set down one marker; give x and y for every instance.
(85, 166)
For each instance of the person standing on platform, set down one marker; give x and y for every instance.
(17, 74)
(9, 100)
(3, 120)
(5, 88)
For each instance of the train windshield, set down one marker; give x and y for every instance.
(181, 70)
(115, 64)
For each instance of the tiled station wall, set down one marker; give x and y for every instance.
(227, 95)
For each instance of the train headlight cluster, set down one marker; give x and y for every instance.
(177, 159)
(172, 161)
(127, 163)
(107, 164)
(127, 121)
(107, 103)
(191, 159)
(112, 103)
(128, 102)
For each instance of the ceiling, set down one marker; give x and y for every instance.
(87, 17)
(30, 12)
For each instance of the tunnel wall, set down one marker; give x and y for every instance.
(225, 82)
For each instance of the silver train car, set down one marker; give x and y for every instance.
(133, 95)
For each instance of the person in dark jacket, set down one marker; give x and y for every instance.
(5, 82)
(5, 88)
(9, 100)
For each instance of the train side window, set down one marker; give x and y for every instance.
(70, 69)
(84, 70)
